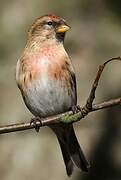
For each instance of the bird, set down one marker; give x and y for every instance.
(46, 79)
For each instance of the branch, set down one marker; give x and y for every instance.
(57, 118)
(69, 117)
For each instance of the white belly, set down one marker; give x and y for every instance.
(48, 97)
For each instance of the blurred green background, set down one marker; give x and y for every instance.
(95, 36)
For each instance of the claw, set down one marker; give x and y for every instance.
(75, 109)
(36, 122)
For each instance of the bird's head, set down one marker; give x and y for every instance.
(48, 27)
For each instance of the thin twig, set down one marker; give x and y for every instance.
(69, 117)
(88, 107)
(106, 104)
(91, 97)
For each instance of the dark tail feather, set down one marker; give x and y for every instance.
(66, 157)
(70, 148)
(76, 152)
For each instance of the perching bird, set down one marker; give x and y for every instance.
(46, 78)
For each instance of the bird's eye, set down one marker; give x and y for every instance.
(49, 23)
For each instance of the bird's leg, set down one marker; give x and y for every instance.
(75, 109)
(37, 122)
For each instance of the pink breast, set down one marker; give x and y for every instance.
(49, 60)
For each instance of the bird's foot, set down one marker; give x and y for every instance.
(75, 109)
(36, 121)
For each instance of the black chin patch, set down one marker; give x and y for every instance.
(60, 36)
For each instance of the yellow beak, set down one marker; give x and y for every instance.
(62, 28)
